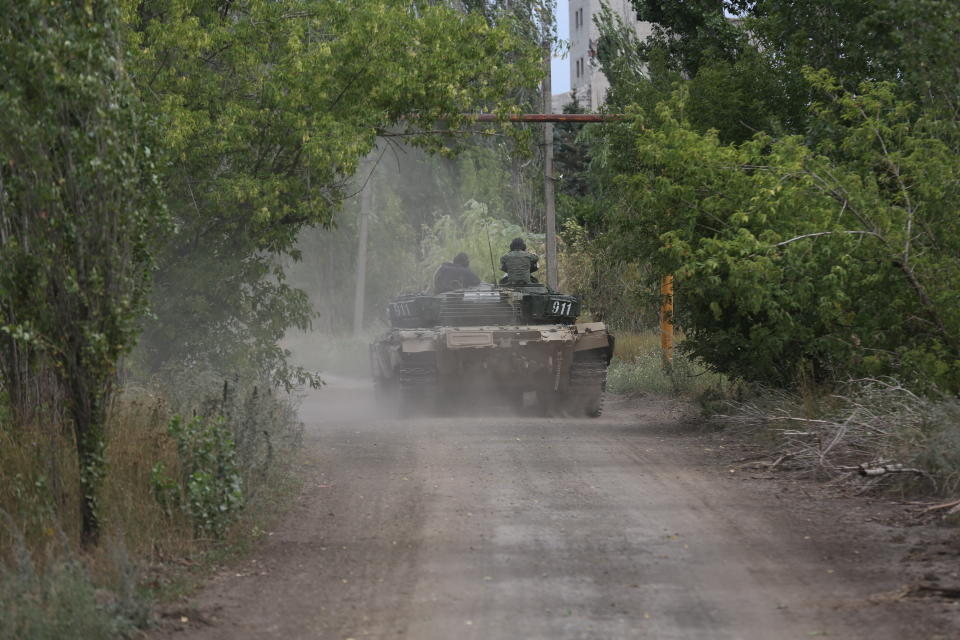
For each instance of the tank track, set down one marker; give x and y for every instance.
(418, 387)
(417, 377)
(588, 382)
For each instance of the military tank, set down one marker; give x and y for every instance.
(522, 344)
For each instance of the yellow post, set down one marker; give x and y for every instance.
(666, 319)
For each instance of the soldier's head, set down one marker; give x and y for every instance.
(517, 244)
(461, 259)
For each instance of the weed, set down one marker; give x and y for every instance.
(638, 366)
(210, 487)
(239, 436)
(60, 598)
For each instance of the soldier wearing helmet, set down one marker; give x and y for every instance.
(518, 264)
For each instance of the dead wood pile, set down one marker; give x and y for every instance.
(868, 435)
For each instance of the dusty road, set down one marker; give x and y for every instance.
(502, 527)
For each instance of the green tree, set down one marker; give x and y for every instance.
(728, 106)
(838, 259)
(744, 60)
(265, 109)
(76, 212)
(692, 33)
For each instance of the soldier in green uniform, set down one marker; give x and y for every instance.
(518, 264)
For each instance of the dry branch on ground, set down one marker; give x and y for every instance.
(870, 433)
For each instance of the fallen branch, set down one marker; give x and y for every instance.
(880, 469)
(877, 416)
(888, 468)
(785, 456)
(934, 590)
(953, 505)
(756, 462)
(877, 470)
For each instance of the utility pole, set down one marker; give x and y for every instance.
(366, 201)
(549, 202)
(666, 284)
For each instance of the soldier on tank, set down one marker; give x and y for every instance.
(518, 264)
(454, 275)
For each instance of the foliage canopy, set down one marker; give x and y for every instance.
(805, 210)
(264, 110)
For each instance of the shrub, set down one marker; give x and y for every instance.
(210, 488)
(60, 599)
(638, 366)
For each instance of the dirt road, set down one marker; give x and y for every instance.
(502, 527)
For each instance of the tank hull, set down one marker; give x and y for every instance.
(547, 368)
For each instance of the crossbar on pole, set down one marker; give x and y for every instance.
(547, 117)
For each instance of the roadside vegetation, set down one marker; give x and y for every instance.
(638, 366)
(177, 213)
(158, 163)
(795, 170)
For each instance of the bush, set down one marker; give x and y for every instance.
(244, 432)
(59, 598)
(210, 487)
(638, 366)
(937, 446)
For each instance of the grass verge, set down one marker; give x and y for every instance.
(638, 366)
(875, 434)
(151, 548)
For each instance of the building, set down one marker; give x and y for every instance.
(586, 79)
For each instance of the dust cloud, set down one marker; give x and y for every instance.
(417, 204)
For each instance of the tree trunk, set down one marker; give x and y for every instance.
(89, 415)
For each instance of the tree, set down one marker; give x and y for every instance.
(692, 33)
(744, 60)
(265, 108)
(839, 258)
(723, 172)
(77, 209)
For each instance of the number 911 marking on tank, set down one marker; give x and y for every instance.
(561, 308)
(403, 309)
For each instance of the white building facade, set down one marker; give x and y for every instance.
(586, 79)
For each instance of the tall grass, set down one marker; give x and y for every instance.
(638, 366)
(48, 589)
(56, 601)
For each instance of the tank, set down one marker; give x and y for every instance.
(517, 345)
